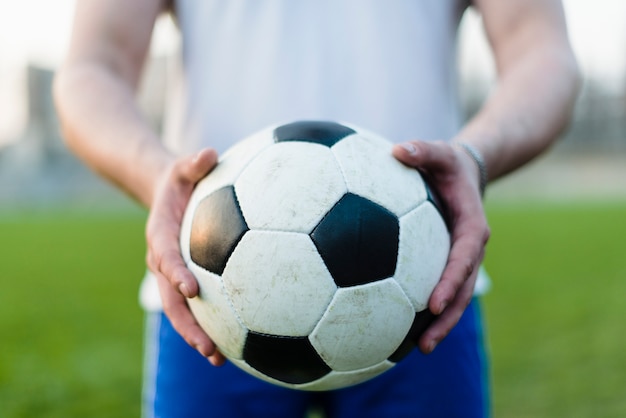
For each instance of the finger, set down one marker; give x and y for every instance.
(169, 263)
(432, 156)
(164, 256)
(447, 320)
(197, 166)
(162, 236)
(217, 359)
(466, 254)
(177, 310)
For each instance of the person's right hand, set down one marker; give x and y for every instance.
(176, 282)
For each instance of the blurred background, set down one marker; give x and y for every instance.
(71, 247)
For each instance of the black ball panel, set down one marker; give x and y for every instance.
(358, 241)
(422, 320)
(319, 132)
(287, 359)
(217, 227)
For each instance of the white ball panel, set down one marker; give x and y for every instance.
(363, 325)
(335, 380)
(278, 282)
(289, 187)
(371, 171)
(185, 232)
(422, 254)
(230, 165)
(254, 372)
(215, 314)
(367, 133)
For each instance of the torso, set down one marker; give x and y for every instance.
(387, 66)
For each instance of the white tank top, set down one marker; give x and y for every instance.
(388, 66)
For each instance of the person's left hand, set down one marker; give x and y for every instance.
(455, 177)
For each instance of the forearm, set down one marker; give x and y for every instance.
(526, 112)
(102, 124)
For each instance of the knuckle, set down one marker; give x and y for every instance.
(459, 270)
(149, 260)
(487, 234)
(168, 266)
(466, 268)
(157, 261)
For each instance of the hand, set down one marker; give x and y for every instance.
(176, 282)
(454, 175)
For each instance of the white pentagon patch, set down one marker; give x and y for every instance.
(215, 314)
(230, 165)
(371, 171)
(335, 379)
(422, 254)
(289, 187)
(278, 283)
(363, 325)
(185, 232)
(254, 372)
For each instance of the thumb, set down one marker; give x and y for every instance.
(197, 166)
(432, 156)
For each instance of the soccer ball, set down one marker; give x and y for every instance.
(316, 252)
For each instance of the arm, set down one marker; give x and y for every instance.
(538, 82)
(94, 93)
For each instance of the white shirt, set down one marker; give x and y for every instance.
(388, 66)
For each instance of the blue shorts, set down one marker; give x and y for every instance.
(453, 381)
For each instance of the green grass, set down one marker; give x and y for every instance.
(70, 325)
(71, 329)
(556, 311)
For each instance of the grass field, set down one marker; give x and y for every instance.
(69, 320)
(70, 326)
(556, 311)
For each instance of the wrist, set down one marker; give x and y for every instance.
(478, 159)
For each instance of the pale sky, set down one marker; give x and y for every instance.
(38, 31)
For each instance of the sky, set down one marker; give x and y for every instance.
(38, 31)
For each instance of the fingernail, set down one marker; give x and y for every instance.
(431, 346)
(203, 350)
(443, 306)
(184, 290)
(410, 148)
